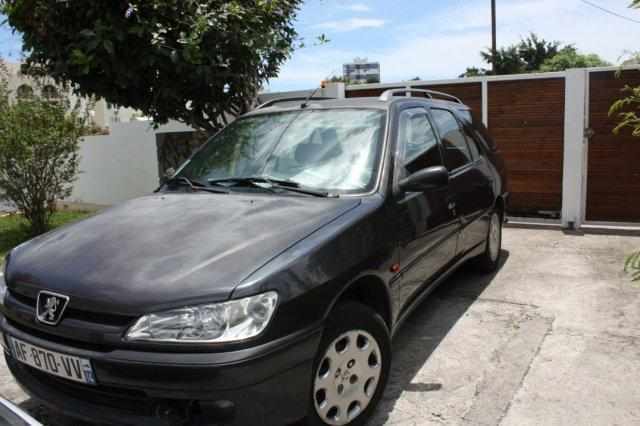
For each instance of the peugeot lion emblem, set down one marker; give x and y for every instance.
(50, 307)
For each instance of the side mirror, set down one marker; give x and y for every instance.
(427, 179)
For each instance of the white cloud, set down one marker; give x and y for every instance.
(351, 24)
(357, 7)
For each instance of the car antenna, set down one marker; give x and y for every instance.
(305, 103)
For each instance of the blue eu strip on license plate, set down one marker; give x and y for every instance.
(61, 365)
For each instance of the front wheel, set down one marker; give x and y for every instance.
(351, 368)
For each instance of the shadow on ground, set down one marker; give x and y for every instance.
(425, 329)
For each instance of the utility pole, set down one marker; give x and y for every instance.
(494, 47)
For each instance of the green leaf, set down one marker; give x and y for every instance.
(108, 46)
(87, 33)
(632, 266)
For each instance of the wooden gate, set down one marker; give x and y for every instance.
(613, 166)
(526, 118)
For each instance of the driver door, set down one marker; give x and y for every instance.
(427, 228)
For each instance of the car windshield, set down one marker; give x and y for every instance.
(332, 150)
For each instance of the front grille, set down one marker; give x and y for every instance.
(79, 314)
(80, 344)
(25, 300)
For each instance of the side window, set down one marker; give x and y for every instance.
(483, 136)
(418, 142)
(456, 150)
(473, 145)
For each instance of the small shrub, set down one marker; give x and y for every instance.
(39, 142)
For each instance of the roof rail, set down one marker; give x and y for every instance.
(388, 94)
(290, 99)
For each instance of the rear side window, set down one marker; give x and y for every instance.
(466, 114)
(483, 136)
(418, 142)
(473, 145)
(456, 150)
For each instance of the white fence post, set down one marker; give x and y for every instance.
(574, 165)
(485, 102)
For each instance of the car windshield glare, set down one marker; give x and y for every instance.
(333, 150)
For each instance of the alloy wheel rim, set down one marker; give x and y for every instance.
(347, 377)
(494, 237)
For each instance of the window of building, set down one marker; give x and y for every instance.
(24, 91)
(50, 92)
(456, 150)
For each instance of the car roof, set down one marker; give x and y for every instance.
(276, 105)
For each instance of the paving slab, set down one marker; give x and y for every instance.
(580, 379)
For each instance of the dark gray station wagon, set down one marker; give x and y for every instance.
(264, 281)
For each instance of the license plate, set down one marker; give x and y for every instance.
(61, 365)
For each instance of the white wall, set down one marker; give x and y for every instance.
(121, 165)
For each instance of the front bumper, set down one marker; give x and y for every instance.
(264, 385)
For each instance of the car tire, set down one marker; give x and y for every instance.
(351, 368)
(490, 259)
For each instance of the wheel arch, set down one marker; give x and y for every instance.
(371, 291)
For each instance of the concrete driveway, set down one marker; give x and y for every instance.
(553, 338)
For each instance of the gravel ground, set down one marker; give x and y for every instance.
(552, 338)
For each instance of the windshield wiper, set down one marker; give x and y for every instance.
(253, 182)
(283, 184)
(194, 185)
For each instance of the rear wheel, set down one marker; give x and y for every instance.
(489, 260)
(351, 368)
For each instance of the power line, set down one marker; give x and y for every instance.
(610, 12)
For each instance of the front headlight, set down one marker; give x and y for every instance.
(213, 323)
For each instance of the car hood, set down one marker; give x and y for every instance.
(168, 250)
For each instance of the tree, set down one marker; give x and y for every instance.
(534, 51)
(338, 79)
(569, 57)
(474, 72)
(633, 58)
(526, 56)
(506, 61)
(627, 109)
(533, 54)
(194, 61)
(38, 154)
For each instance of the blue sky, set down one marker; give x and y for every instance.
(432, 39)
